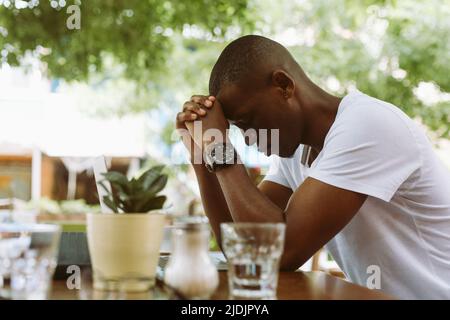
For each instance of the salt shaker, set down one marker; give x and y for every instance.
(190, 269)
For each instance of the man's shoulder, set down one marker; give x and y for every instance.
(365, 109)
(366, 116)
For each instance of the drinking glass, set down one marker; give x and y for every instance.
(253, 252)
(29, 256)
(13, 242)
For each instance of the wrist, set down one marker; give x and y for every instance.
(218, 155)
(195, 153)
(214, 135)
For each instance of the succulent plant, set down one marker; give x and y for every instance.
(135, 195)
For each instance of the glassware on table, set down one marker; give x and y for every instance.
(190, 270)
(29, 258)
(13, 242)
(253, 251)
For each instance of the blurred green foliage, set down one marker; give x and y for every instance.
(157, 53)
(135, 34)
(47, 206)
(385, 48)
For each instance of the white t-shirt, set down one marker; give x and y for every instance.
(403, 228)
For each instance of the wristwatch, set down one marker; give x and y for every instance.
(218, 155)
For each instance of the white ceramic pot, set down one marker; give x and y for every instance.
(125, 248)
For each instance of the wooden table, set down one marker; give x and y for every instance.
(291, 286)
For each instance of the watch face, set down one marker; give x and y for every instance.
(222, 155)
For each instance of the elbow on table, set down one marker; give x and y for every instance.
(288, 267)
(290, 263)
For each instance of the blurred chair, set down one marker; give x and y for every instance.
(5, 184)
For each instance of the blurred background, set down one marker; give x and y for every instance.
(80, 79)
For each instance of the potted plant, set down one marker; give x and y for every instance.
(124, 246)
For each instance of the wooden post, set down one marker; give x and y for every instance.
(36, 174)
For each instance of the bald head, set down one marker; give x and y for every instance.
(249, 58)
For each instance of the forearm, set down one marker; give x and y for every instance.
(245, 201)
(212, 198)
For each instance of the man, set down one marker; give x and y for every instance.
(372, 189)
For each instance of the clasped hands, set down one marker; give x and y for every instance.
(203, 118)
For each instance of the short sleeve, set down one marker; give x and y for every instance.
(276, 173)
(370, 150)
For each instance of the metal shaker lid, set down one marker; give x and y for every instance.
(191, 222)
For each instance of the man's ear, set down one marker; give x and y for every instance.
(284, 83)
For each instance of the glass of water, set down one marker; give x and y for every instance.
(253, 251)
(13, 243)
(28, 253)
